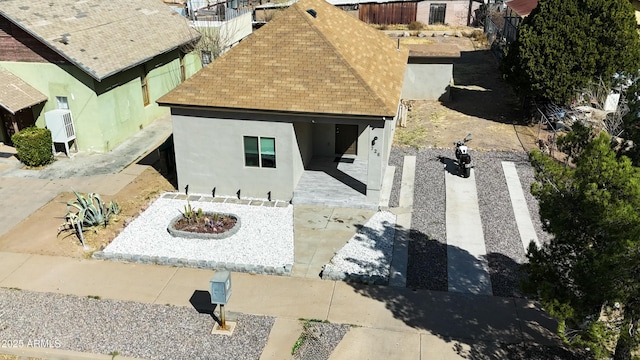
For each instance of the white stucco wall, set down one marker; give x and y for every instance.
(427, 81)
(210, 153)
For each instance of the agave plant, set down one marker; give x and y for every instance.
(87, 212)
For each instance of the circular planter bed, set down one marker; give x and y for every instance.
(210, 225)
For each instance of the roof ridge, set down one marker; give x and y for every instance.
(360, 78)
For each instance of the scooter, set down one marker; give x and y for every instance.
(463, 157)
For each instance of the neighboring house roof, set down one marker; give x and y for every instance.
(16, 94)
(330, 63)
(102, 37)
(522, 7)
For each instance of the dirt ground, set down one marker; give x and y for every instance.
(38, 234)
(480, 104)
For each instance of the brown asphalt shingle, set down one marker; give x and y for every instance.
(16, 94)
(332, 63)
(102, 37)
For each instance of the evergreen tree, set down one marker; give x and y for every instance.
(593, 212)
(563, 45)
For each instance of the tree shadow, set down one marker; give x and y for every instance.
(476, 326)
(373, 268)
(479, 90)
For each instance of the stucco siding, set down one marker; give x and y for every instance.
(427, 81)
(218, 144)
(104, 113)
(456, 13)
(58, 82)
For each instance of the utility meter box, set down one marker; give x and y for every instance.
(220, 287)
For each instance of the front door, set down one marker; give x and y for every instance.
(346, 139)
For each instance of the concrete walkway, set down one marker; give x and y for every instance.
(467, 265)
(400, 259)
(520, 207)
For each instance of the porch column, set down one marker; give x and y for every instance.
(375, 166)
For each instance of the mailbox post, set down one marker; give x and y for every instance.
(220, 285)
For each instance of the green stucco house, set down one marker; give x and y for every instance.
(105, 61)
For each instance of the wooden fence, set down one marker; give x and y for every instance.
(388, 13)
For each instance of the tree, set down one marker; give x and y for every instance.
(220, 28)
(593, 260)
(564, 45)
(632, 122)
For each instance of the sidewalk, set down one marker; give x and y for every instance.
(393, 323)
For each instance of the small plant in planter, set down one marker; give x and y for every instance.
(86, 213)
(199, 224)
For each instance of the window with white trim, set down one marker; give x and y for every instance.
(62, 102)
(259, 151)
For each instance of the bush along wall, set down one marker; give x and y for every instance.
(33, 146)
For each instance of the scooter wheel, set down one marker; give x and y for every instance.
(467, 172)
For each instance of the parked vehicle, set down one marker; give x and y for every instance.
(463, 157)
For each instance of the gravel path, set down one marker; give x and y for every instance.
(149, 331)
(427, 267)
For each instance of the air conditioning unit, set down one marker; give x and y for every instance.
(60, 123)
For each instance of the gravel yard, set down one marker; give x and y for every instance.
(149, 331)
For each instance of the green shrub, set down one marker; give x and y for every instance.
(33, 146)
(416, 25)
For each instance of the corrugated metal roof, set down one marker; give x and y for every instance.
(102, 37)
(522, 7)
(331, 63)
(15, 94)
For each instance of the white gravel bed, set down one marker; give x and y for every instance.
(265, 237)
(366, 257)
(148, 331)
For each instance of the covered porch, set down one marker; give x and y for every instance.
(19, 105)
(339, 182)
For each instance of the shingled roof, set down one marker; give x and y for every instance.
(320, 61)
(522, 7)
(102, 37)
(16, 94)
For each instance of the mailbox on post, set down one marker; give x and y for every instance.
(220, 287)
